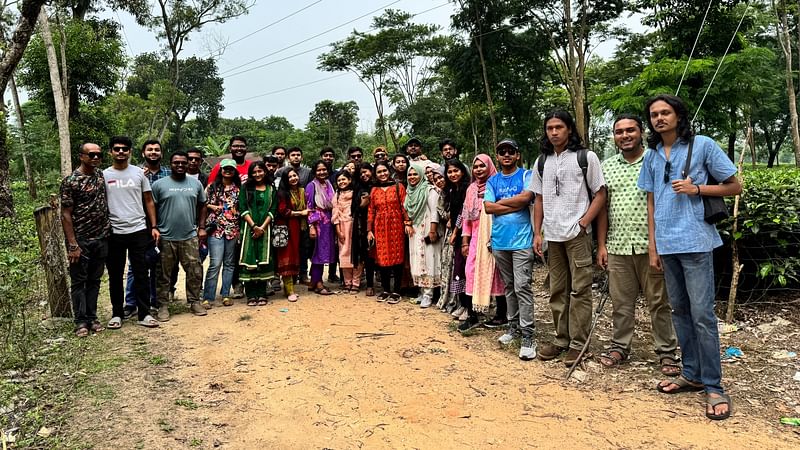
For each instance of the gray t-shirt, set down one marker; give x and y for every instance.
(124, 189)
(176, 205)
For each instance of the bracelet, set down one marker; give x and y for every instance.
(72, 247)
(698, 189)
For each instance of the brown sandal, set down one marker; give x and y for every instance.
(370, 292)
(670, 366)
(612, 358)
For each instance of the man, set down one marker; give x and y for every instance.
(131, 212)
(279, 152)
(681, 242)
(304, 173)
(181, 204)
(507, 199)
(151, 155)
(622, 249)
(379, 154)
(238, 148)
(272, 164)
(355, 155)
(328, 156)
(448, 149)
(413, 148)
(566, 208)
(84, 217)
(193, 169)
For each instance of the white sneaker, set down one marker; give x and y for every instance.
(527, 350)
(507, 337)
(426, 302)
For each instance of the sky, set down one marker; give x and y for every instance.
(285, 39)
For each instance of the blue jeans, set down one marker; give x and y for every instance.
(221, 253)
(690, 286)
(130, 299)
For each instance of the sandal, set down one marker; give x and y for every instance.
(115, 323)
(613, 358)
(293, 298)
(148, 322)
(82, 331)
(206, 304)
(370, 292)
(394, 299)
(713, 402)
(97, 326)
(383, 296)
(670, 366)
(262, 301)
(323, 291)
(252, 302)
(227, 301)
(683, 384)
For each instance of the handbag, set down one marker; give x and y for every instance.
(280, 236)
(715, 208)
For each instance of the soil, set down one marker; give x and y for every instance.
(348, 372)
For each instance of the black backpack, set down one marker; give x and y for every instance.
(583, 163)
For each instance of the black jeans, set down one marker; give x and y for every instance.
(133, 245)
(369, 271)
(387, 273)
(85, 277)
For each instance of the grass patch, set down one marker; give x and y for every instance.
(158, 360)
(195, 442)
(165, 426)
(187, 403)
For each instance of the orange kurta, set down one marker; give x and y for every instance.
(385, 219)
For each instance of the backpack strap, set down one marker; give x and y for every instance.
(540, 164)
(686, 168)
(583, 163)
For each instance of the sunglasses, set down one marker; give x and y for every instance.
(357, 156)
(180, 163)
(94, 155)
(506, 151)
(120, 149)
(667, 170)
(194, 158)
(380, 155)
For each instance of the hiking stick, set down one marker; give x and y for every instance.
(597, 312)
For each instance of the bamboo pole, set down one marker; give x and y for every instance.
(737, 266)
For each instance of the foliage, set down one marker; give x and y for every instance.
(333, 124)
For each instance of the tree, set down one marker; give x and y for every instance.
(783, 31)
(23, 30)
(333, 123)
(59, 85)
(176, 20)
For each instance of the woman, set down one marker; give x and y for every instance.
(258, 207)
(424, 244)
(222, 226)
(364, 251)
(400, 167)
(453, 261)
(319, 198)
(482, 278)
(388, 225)
(293, 214)
(343, 218)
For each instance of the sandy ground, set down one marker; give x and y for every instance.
(309, 375)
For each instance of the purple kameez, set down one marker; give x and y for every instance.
(324, 245)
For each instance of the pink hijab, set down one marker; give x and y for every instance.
(473, 201)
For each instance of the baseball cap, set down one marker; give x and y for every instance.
(507, 143)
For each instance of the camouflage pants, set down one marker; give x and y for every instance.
(187, 254)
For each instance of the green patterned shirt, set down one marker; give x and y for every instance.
(627, 207)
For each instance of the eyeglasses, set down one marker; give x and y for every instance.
(94, 155)
(120, 149)
(667, 170)
(356, 156)
(179, 163)
(506, 151)
(194, 158)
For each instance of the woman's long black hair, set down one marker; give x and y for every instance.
(454, 193)
(250, 184)
(217, 185)
(574, 142)
(685, 131)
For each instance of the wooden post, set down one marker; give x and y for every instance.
(54, 258)
(737, 266)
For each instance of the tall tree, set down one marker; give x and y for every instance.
(333, 123)
(57, 67)
(23, 30)
(784, 37)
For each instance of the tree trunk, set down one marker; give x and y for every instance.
(57, 82)
(23, 30)
(21, 118)
(489, 102)
(771, 151)
(786, 46)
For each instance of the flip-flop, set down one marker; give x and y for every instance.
(82, 332)
(723, 399)
(382, 296)
(115, 323)
(148, 322)
(262, 301)
(683, 384)
(670, 366)
(394, 299)
(293, 298)
(96, 326)
(252, 302)
(323, 291)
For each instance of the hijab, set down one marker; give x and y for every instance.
(473, 203)
(417, 195)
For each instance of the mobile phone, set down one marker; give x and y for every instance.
(427, 240)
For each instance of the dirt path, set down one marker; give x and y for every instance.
(300, 376)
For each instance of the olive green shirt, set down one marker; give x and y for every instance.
(627, 207)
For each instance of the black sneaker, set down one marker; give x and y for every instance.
(468, 324)
(129, 312)
(496, 322)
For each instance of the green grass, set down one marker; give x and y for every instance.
(187, 403)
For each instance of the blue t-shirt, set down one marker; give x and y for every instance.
(680, 227)
(176, 205)
(509, 231)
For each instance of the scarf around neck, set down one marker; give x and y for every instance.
(473, 202)
(323, 195)
(417, 195)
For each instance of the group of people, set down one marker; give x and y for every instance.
(459, 236)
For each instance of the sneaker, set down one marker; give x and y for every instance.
(163, 313)
(238, 290)
(426, 302)
(508, 337)
(470, 323)
(571, 357)
(129, 312)
(527, 349)
(464, 316)
(496, 322)
(550, 351)
(197, 309)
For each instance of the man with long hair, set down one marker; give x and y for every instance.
(566, 208)
(681, 242)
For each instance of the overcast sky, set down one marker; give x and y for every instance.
(302, 28)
